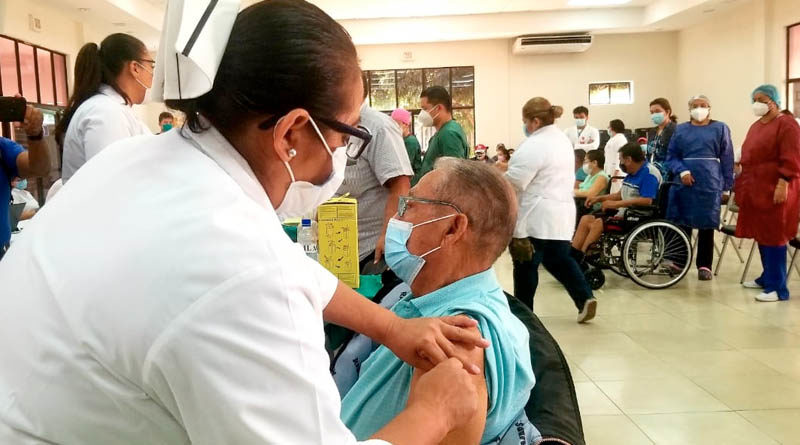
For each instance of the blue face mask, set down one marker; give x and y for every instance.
(525, 130)
(644, 148)
(657, 118)
(22, 184)
(402, 262)
(580, 123)
(166, 127)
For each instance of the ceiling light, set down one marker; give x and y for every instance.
(119, 24)
(597, 2)
(83, 9)
(708, 11)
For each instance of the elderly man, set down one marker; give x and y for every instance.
(443, 241)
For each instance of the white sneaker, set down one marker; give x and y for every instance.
(588, 311)
(752, 285)
(767, 297)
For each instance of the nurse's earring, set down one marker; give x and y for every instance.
(292, 153)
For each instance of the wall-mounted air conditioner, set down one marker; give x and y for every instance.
(552, 43)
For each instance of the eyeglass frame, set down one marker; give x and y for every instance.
(360, 132)
(152, 62)
(402, 203)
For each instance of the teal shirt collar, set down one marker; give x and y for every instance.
(432, 304)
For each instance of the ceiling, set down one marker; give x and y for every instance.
(392, 21)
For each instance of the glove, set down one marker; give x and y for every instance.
(521, 249)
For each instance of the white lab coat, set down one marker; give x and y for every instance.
(100, 121)
(178, 312)
(542, 171)
(588, 139)
(612, 159)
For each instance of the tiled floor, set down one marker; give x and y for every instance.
(700, 363)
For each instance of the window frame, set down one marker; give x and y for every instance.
(38, 97)
(790, 80)
(415, 111)
(608, 84)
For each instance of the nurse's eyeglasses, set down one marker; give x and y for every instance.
(402, 205)
(357, 137)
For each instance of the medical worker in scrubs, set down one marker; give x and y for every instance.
(768, 190)
(179, 312)
(700, 154)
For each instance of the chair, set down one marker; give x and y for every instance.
(729, 230)
(795, 243)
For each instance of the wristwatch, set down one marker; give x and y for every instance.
(38, 137)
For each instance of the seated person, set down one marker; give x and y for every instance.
(443, 241)
(21, 195)
(639, 188)
(597, 180)
(580, 159)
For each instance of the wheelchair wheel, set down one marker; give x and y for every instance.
(657, 254)
(595, 278)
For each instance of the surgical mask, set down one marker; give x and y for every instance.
(303, 197)
(587, 169)
(166, 127)
(611, 133)
(644, 148)
(760, 108)
(403, 263)
(699, 114)
(525, 131)
(22, 184)
(426, 119)
(580, 123)
(657, 118)
(151, 77)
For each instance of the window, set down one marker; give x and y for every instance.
(390, 89)
(793, 68)
(610, 93)
(37, 73)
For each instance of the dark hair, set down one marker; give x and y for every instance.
(618, 126)
(540, 108)
(632, 150)
(503, 150)
(581, 110)
(580, 154)
(95, 66)
(165, 115)
(664, 103)
(438, 96)
(598, 156)
(281, 55)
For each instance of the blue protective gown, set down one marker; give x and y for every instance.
(706, 152)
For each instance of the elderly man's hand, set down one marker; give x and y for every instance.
(610, 205)
(425, 342)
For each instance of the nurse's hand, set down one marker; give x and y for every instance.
(687, 180)
(779, 197)
(425, 342)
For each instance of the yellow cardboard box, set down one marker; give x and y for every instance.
(337, 221)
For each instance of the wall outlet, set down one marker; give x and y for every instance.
(35, 23)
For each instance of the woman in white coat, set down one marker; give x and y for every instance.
(542, 172)
(109, 80)
(179, 311)
(616, 129)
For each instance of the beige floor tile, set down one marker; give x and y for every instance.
(613, 430)
(690, 339)
(577, 373)
(722, 428)
(610, 302)
(568, 325)
(660, 321)
(748, 392)
(610, 367)
(614, 343)
(714, 363)
(660, 395)
(592, 401)
(782, 425)
(684, 303)
(721, 317)
(785, 361)
(756, 337)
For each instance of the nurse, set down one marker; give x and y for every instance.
(768, 190)
(700, 154)
(109, 80)
(179, 312)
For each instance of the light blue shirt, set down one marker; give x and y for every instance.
(381, 391)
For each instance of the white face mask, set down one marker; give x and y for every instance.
(760, 108)
(587, 169)
(426, 119)
(699, 114)
(302, 197)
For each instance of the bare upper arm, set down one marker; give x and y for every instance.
(471, 432)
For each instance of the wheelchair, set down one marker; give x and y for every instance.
(641, 245)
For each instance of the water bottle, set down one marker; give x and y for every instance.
(307, 237)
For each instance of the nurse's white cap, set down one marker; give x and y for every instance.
(193, 40)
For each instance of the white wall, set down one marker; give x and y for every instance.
(505, 81)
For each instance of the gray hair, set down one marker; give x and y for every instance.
(699, 96)
(487, 199)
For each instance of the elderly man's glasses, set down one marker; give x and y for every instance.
(402, 206)
(357, 137)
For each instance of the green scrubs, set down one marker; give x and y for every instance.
(414, 152)
(450, 140)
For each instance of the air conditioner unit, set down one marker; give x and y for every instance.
(552, 43)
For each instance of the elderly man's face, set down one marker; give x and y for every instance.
(428, 236)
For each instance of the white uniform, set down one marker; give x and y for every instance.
(24, 197)
(542, 171)
(178, 312)
(99, 122)
(612, 159)
(587, 139)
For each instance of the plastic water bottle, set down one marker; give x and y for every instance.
(307, 237)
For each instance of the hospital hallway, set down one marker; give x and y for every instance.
(699, 363)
